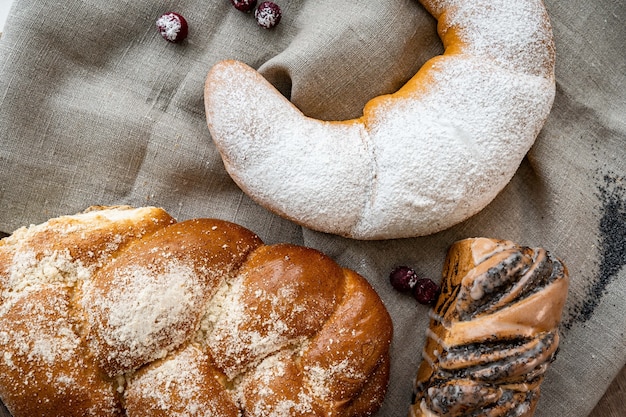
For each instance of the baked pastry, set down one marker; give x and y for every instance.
(417, 161)
(122, 311)
(493, 331)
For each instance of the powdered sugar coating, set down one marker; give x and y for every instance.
(263, 394)
(462, 125)
(244, 5)
(182, 385)
(143, 314)
(38, 333)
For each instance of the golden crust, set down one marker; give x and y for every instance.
(185, 380)
(122, 311)
(494, 331)
(46, 369)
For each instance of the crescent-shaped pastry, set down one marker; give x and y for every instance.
(493, 331)
(417, 161)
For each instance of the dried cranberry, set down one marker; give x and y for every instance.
(268, 14)
(173, 27)
(244, 5)
(425, 291)
(403, 278)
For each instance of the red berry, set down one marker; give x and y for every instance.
(425, 291)
(172, 26)
(403, 278)
(244, 5)
(268, 14)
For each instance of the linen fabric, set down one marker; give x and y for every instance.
(96, 108)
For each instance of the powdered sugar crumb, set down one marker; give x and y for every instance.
(179, 379)
(53, 267)
(226, 328)
(323, 379)
(265, 401)
(144, 314)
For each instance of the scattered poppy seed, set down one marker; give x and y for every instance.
(612, 245)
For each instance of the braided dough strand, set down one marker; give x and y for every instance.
(125, 312)
(418, 161)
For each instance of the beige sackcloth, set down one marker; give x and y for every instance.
(97, 109)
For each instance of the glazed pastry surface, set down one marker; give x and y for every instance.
(493, 332)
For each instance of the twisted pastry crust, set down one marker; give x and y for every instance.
(493, 331)
(126, 312)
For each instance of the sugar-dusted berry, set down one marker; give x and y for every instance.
(172, 26)
(268, 14)
(403, 278)
(244, 5)
(425, 291)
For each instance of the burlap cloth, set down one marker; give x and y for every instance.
(96, 108)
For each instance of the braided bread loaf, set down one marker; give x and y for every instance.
(123, 311)
(493, 333)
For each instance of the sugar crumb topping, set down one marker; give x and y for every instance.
(144, 314)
